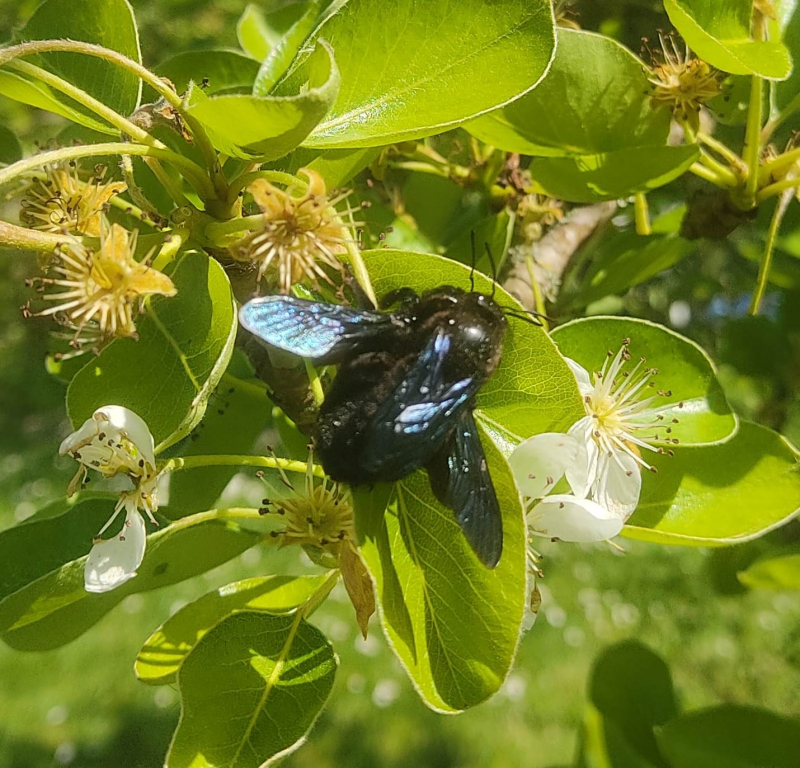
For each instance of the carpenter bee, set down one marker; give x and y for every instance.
(404, 392)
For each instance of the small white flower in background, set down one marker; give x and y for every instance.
(600, 456)
(116, 441)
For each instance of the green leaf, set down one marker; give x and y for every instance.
(167, 376)
(250, 691)
(164, 651)
(773, 572)
(259, 32)
(787, 93)
(611, 175)
(492, 235)
(43, 603)
(631, 689)
(41, 96)
(10, 148)
(623, 259)
(731, 736)
(239, 413)
(594, 99)
(720, 34)
(269, 127)
(426, 71)
(532, 389)
(109, 23)
(224, 70)
(685, 373)
(453, 624)
(722, 494)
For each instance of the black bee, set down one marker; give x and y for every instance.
(404, 392)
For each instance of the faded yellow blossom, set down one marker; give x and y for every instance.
(59, 201)
(301, 232)
(682, 81)
(103, 288)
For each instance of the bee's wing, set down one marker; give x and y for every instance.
(413, 422)
(311, 329)
(460, 479)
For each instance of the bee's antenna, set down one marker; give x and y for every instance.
(494, 267)
(473, 261)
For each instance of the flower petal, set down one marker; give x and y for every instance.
(619, 484)
(569, 518)
(112, 562)
(539, 462)
(582, 472)
(585, 386)
(132, 425)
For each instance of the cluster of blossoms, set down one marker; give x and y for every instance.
(600, 456)
(96, 292)
(116, 442)
(300, 232)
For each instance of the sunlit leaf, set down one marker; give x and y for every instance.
(250, 691)
(269, 127)
(721, 494)
(425, 70)
(164, 651)
(720, 33)
(595, 98)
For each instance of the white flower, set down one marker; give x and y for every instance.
(600, 456)
(114, 561)
(116, 441)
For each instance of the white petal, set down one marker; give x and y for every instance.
(569, 518)
(585, 386)
(131, 424)
(539, 462)
(114, 561)
(79, 437)
(582, 473)
(618, 487)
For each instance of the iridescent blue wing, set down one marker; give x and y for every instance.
(411, 424)
(460, 479)
(312, 329)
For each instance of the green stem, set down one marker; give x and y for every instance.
(172, 244)
(786, 160)
(641, 214)
(777, 188)
(752, 141)
(132, 210)
(314, 382)
(122, 124)
(706, 173)
(723, 172)
(170, 185)
(769, 249)
(246, 179)
(220, 460)
(419, 167)
(538, 298)
(217, 231)
(246, 386)
(191, 170)
(23, 239)
(736, 162)
(90, 49)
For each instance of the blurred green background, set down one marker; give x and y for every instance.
(82, 706)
